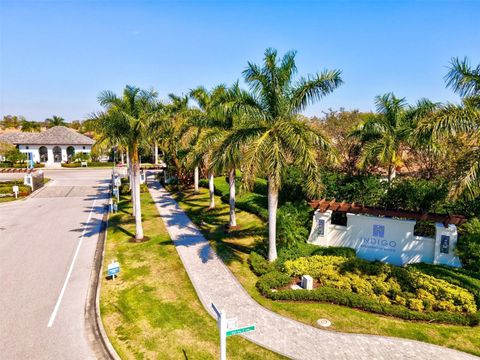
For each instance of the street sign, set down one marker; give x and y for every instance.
(241, 330)
(113, 269)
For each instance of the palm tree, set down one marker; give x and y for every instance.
(168, 129)
(55, 121)
(454, 119)
(273, 134)
(126, 121)
(386, 135)
(208, 123)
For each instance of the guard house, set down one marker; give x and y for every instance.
(53, 146)
(386, 235)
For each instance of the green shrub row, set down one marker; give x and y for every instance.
(466, 279)
(277, 279)
(89, 164)
(387, 283)
(261, 266)
(8, 164)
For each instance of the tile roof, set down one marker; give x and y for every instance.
(57, 135)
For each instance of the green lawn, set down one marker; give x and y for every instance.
(234, 249)
(151, 311)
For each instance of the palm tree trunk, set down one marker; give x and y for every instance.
(156, 153)
(195, 179)
(136, 194)
(391, 173)
(272, 221)
(231, 181)
(211, 189)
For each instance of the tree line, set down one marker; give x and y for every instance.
(259, 132)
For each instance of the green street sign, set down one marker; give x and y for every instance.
(241, 330)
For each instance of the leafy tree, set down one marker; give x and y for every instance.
(14, 155)
(337, 125)
(30, 126)
(55, 121)
(273, 135)
(12, 121)
(468, 245)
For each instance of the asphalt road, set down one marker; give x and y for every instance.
(47, 246)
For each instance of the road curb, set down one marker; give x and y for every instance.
(97, 336)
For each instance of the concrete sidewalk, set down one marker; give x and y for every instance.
(214, 282)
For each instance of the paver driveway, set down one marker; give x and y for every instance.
(214, 282)
(40, 238)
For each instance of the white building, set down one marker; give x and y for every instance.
(53, 146)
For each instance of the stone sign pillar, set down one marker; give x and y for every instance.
(445, 243)
(320, 228)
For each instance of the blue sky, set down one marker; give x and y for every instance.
(56, 56)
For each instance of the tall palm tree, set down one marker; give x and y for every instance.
(126, 121)
(453, 119)
(55, 121)
(273, 134)
(168, 129)
(208, 121)
(386, 135)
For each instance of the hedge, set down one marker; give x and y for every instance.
(387, 283)
(460, 277)
(89, 164)
(277, 279)
(18, 166)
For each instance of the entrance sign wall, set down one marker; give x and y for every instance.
(386, 239)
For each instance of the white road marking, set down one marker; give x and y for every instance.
(59, 300)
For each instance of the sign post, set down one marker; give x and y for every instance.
(228, 327)
(113, 269)
(15, 191)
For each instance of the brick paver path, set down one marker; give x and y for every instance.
(214, 282)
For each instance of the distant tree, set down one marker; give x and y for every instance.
(5, 148)
(76, 125)
(11, 121)
(30, 126)
(55, 121)
(338, 125)
(387, 135)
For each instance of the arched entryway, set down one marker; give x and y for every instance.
(57, 154)
(70, 153)
(43, 152)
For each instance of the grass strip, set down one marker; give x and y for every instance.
(151, 311)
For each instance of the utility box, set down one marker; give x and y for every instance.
(307, 282)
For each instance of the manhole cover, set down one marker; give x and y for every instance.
(324, 322)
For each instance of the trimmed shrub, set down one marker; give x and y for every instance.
(468, 245)
(259, 264)
(273, 279)
(384, 282)
(358, 301)
(293, 224)
(460, 277)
